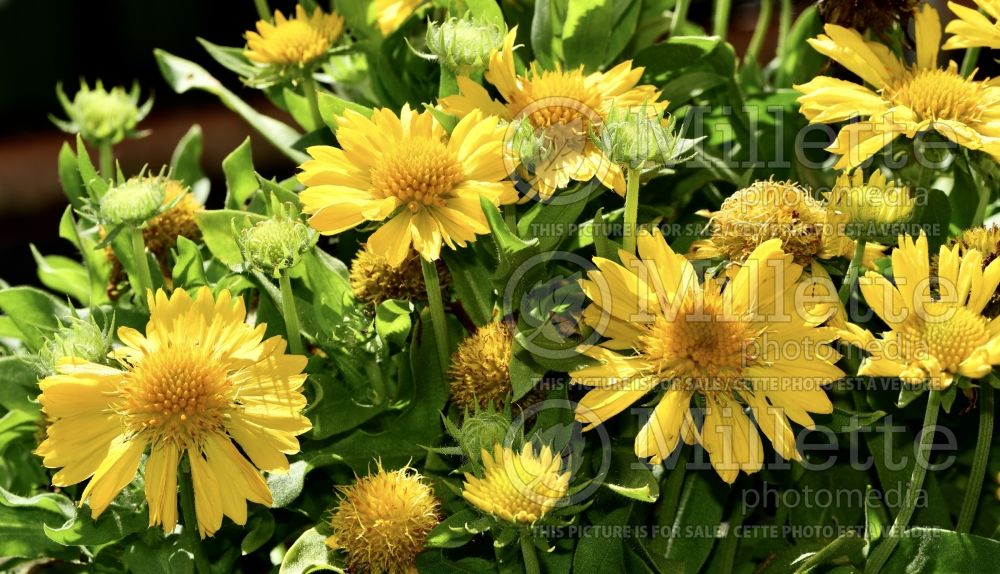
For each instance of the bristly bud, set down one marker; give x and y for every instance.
(82, 339)
(464, 45)
(100, 115)
(277, 243)
(132, 202)
(481, 430)
(637, 137)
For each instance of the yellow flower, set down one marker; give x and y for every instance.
(201, 382)
(971, 28)
(903, 99)
(408, 170)
(294, 41)
(868, 209)
(937, 327)
(480, 369)
(727, 345)
(566, 106)
(390, 14)
(383, 520)
(520, 488)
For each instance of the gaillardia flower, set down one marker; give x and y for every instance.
(479, 371)
(903, 99)
(408, 170)
(937, 327)
(971, 29)
(723, 345)
(383, 520)
(296, 41)
(200, 382)
(868, 209)
(518, 487)
(373, 280)
(567, 107)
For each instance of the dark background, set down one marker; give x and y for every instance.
(43, 42)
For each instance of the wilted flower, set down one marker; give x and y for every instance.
(374, 280)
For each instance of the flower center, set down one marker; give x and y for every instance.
(296, 42)
(419, 171)
(948, 334)
(702, 347)
(177, 394)
(560, 99)
(939, 95)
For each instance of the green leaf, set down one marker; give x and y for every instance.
(331, 107)
(336, 411)
(287, 486)
(699, 512)
(95, 184)
(22, 521)
(307, 554)
(467, 270)
(217, 232)
(18, 384)
(543, 24)
(260, 528)
(185, 164)
(456, 530)
(230, 58)
(844, 421)
(392, 320)
(512, 254)
(486, 10)
(165, 556)
(241, 181)
(936, 550)
(435, 561)
(63, 274)
(632, 478)
(524, 372)
(585, 33)
(114, 524)
(35, 313)
(189, 267)
(550, 223)
(69, 177)
(327, 277)
(184, 75)
(603, 553)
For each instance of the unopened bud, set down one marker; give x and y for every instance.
(464, 45)
(276, 244)
(133, 202)
(101, 115)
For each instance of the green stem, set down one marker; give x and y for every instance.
(979, 460)
(720, 25)
(106, 159)
(510, 216)
(882, 552)
(763, 27)
(374, 375)
(680, 15)
(263, 12)
(530, 556)
(290, 313)
(631, 208)
(853, 270)
(310, 91)
(191, 524)
(728, 545)
(784, 27)
(142, 274)
(969, 61)
(436, 305)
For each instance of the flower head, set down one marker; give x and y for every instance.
(866, 14)
(383, 520)
(518, 487)
(566, 106)
(100, 115)
(903, 99)
(971, 28)
(407, 171)
(724, 345)
(373, 280)
(296, 41)
(938, 330)
(869, 209)
(464, 45)
(479, 370)
(200, 382)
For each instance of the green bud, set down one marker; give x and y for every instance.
(528, 144)
(133, 202)
(464, 45)
(276, 244)
(81, 338)
(100, 115)
(636, 137)
(482, 430)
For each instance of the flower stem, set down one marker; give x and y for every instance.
(853, 270)
(631, 208)
(143, 276)
(530, 556)
(436, 305)
(106, 159)
(763, 26)
(510, 216)
(310, 90)
(882, 552)
(979, 460)
(191, 525)
(263, 12)
(720, 18)
(679, 15)
(290, 314)
(969, 61)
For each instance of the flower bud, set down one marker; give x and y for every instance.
(527, 145)
(132, 202)
(481, 430)
(82, 339)
(276, 244)
(636, 137)
(100, 115)
(464, 45)
(869, 210)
